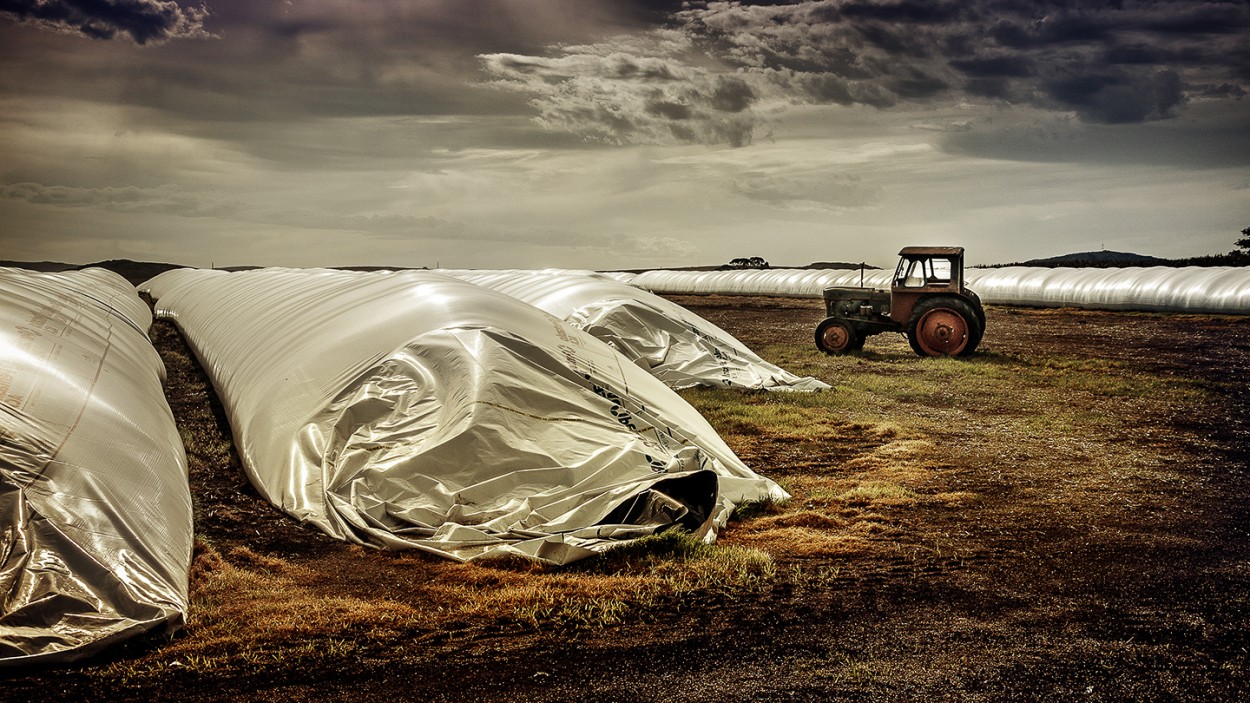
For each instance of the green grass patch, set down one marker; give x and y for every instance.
(796, 416)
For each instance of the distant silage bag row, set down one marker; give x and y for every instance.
(409, 409)
(95, 509)
(1190, 289)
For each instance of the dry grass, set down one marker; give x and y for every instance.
(254, 612)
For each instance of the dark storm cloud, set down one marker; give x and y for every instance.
(1224, 90)
(905, 12)
(668, 110)
(1059, 28)
(732, 95)
(143, 21)
(994, 66)
(917, 86)
(892, 41)
(1051, 54)
(1107, 63)
(1200, 18)
(1118, 97)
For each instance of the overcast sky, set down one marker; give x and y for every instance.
(588, 134)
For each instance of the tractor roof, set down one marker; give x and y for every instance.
(931, 251)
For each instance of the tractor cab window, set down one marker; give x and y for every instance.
(918, 273)
(910, 274)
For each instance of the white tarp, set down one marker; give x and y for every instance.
(1194, 289)
(95, 509)
(412, 410)
(674, 344)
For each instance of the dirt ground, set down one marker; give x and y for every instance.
(1138, 591)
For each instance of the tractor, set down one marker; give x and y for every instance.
(927, 301)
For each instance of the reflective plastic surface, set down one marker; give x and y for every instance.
(413, 410)
(1214, 289)
(95, 510)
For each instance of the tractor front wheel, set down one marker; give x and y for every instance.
(837, 336)
(944, 326)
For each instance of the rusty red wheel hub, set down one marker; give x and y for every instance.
(836, 337)
(942, 332)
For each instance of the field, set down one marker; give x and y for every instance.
(1065, 516)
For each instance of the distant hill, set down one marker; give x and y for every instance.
(43, 266)
(839, 265)
(1094, 259)
(134, 271)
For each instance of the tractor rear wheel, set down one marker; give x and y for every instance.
(837, 336)
(944, 326)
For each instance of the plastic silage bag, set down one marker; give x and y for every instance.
(95, 510)
(412, 410)
(785, 283)
(1193, 289)
(675, 345)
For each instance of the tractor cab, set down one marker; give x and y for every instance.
(923, 272)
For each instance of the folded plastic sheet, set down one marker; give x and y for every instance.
(95, 509)
(677, 346)
(1216, 289)
(412, 410)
